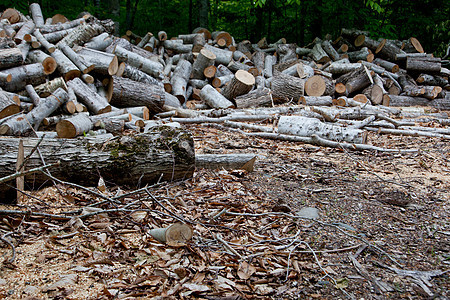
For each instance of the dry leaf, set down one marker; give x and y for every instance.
(245, 270)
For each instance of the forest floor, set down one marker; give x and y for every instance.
(382, 229)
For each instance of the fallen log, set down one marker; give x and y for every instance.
(226, 161)
(306, 127)
(257, 98)
(162, 154)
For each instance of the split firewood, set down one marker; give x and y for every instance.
(161, 154)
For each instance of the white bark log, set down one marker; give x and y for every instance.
(213, 98)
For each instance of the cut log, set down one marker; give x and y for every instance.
(11, 57)
(148, 66)
(180, 79)
(99, 42)
(376, 92)
(129, 93)
(104, 63)
(8, 106)
(316, 101)
(431, 92)
(213, 98)
(56, 36)
(12, 15)
(232, 161)
(423, 64)
(338, 68)
(58, 18)
(439, 103)
(318, 86)
(162, 154)
(218, 82)
(386, 49)
(21, 125)
(358, 83)
(241, 83)
(65, 66)
(48, 62)
(25, 32)
(319, 55)
(82, 34)
(36, 14)
(269, 62)
(286, 52)
(6, 77)
(409, 86)
(390, 66)
(32, 94)
(21, 76)
(223, 56)
(303, 126)
(95, 103)
(46, 89)
(340, 89)
(257, 98)
(329, 49)
(46, 44)
(258, 60)
(84, 66)
(137, 75)
(362, 54)
(364, 41)
(287, 88)
(74, 126)
(61, 26)
(427, 79)
(412, 45)
(178, 46)
(175, 235)
(205, 59)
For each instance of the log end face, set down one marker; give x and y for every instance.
(72, 75)
(65, 129)
(49, 65)
(9, 110)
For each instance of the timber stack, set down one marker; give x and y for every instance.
(67, 78)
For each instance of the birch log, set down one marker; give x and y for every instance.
(95, 103)
(213, 98)
(21, 76)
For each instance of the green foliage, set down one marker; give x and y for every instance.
(298, 21)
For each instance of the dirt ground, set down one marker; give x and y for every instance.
(382, 229)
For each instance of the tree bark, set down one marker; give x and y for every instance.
(180, 79)
(21, 76)
(36, 14)
(128, 93)
(223, 56)
(316, 101)
(339, 68)
(329, 49)
(303, 126)
(388, 50)
(227, 161)
(423, 64)
(104, 63)
(65, 66)
(205, 59)
(61, 26)
(25, 32)
(286, 52)
(84, 66)
(82, 34)
(439, 103)
(286, 88)
(148, 66)
(11, 57)
(162, 154)
(319, 55)
(256, 98)
(362, 54)
(8, 106)
(95, 103)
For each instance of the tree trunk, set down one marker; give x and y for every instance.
(95, 103)
(56, 36)
(162, 154)
(128, 93)
(286, 88)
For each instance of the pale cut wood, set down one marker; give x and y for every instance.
(46, 44)
(48, 62)
(439, 103)
(257, 98)
(65, 66)
(233, 161)
(307, 127)
(205, 59)
(84, 66)
(12, 15)
(427, 79)
(10, 58)
(210, 72)
(162, 36)
(61, 26)
(21, 125)
(316, 101)
(287, 88)
(81, 34)
(180, 79)
(7, 77)
(32, 94)
(364, 41)
(175, 235)
(241, 83)
(128, 93)
(218, 82)
(25, 30)
(223, 56)
(24, 48)
(58, 18)
(36, 14)
(8, 106)
(269, 62)
(213, 98)
(361, 54)
(339, 68)
(318, 85)
(56, 36)
(205, 31)
(222, 38)
(21, 76)
(95, 103)
(132, 73)
(104, 63)
(340, 89)
(74, 126)
(46, 89)
(99, 42)
(146, 65)
(178, 46)
(144, 40)
(387, 49)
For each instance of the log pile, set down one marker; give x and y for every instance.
(75, 77)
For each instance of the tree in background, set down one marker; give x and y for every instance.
(298, 21)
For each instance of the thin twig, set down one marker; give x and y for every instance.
(3, 238)
(31, 171)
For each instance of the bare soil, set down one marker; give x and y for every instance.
(379, 215)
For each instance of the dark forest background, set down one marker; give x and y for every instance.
(296, 20)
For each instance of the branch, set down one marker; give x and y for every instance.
(31, 171)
